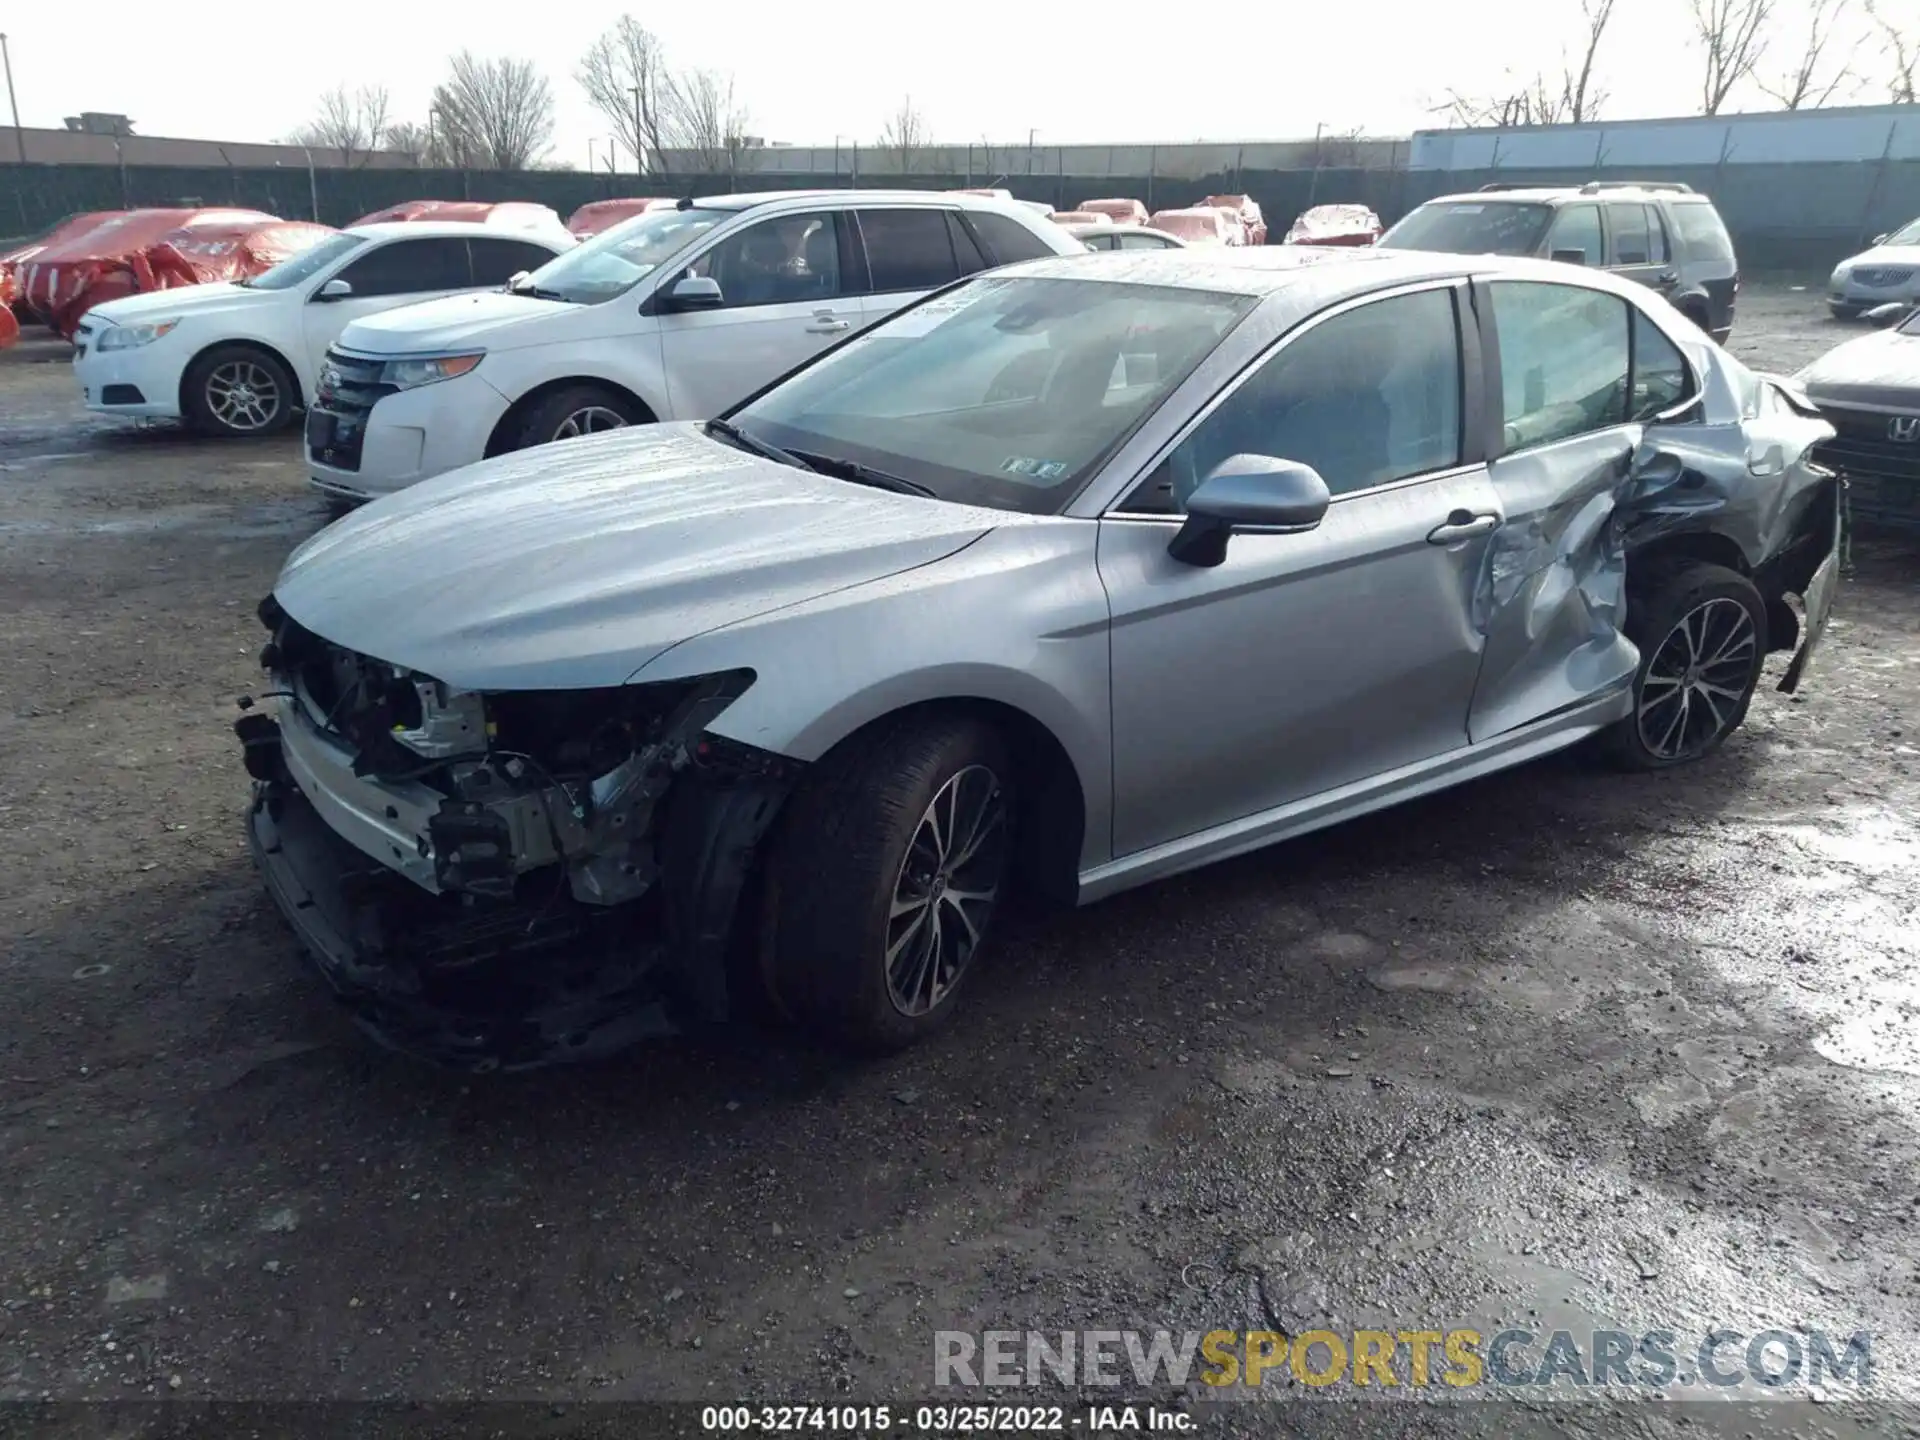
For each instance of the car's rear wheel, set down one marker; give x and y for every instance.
(891, 865)
(574, 411)
(1702, 634)
(236, 390)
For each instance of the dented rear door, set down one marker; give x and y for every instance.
(1549, 599)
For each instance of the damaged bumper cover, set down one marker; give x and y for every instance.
(504, 882)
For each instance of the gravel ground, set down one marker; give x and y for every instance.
(1559, 1047)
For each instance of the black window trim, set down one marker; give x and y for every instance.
(1473, 398)
(1494, 439)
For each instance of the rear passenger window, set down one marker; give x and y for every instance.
(1629, 224)
(1661, 377)
(1006, 240)
(1564, 358)
(908, 249)
(496, 261)
(1577, 227)
(408, 267)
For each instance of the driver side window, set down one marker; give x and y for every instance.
(1366, 398)
(783, 261)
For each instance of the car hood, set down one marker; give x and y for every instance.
(487, 318)
(1881, 369)
(1885, 255)
(184, 300)
(574, 564)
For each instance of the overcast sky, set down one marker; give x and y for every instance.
(1125, 70)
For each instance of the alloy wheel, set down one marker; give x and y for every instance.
(946, 889)
(589, 420)
(243, 395)
(1697, 680)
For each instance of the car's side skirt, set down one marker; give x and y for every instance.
(1251, 832)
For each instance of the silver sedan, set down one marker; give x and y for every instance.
(1073, 576)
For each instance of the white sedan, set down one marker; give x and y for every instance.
(240, 359)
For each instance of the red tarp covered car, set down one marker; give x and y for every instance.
(1246, 210)
(597, 215)
(1201, 225)
(12, 290)
(57, 282)
(9, 327)
(1080, 217)
(1121, 212)
(208, 254)
(1335, 225)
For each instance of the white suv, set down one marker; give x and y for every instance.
(672, 315)
(240, 359)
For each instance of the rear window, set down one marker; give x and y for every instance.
(1701, 234)
(1472, 227)
(1007, 239)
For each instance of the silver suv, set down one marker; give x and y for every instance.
(1071, 577)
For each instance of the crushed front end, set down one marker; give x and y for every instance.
(502, 881)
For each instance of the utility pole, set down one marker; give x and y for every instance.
(639, 141)
(13, 101)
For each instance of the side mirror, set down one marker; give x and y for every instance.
(334, 290)
(1891, 314)
(693, 292)
(1570, 257)
(1248, 492)
(518, 278)
(1880, 239)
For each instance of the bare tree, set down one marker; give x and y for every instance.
(404, 137)
(352, 122)
(1572, 95)
(904, 138)
(625, 75)
(707, 123)
(1903, 51)
(496, 114)
(1814, 79)
(1733, 38)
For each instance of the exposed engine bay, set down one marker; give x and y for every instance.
(489, 878)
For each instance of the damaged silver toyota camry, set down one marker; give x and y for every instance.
(1075, 575)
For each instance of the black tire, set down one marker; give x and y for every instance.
(852, 837)
(1699, 596)
(544, 422)
(220, 383)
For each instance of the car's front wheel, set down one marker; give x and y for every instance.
(891, 865)
(575, 410)
(1702, 634)
(236, 390)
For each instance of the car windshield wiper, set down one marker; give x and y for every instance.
(865, 474)
(538, 294)
(727, 430)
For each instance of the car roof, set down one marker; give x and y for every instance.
(387, 229)
(1330, 271)
(1550, 194)
(844, 197)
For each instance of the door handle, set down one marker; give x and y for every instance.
(825, 324)
(1462, 525)
(1669, 277)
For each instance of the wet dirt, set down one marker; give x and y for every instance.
(1556, 1047)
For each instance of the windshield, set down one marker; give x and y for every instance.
(1471, 227)
(1005, 391)
(616, 260)
(1907, 234)
(306, 264)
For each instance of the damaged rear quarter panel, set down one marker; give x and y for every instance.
(1734, 464)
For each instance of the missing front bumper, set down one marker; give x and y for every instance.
(511, 987)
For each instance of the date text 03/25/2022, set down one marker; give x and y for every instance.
(944, 1419)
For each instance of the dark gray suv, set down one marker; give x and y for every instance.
(1663, 234)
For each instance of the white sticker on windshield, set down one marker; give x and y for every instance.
(936, 312)
(1465, 209)
(1033, 469)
